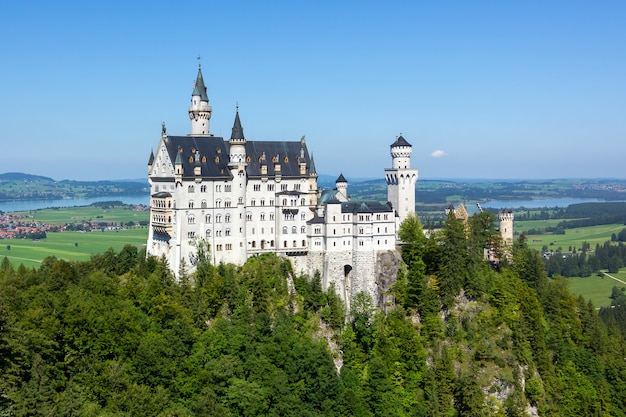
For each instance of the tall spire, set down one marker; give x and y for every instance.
(237, 134)
(199, 89)
(199, 111)
(312, 170)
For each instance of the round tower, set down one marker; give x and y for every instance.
(199, 111)
(341, 185)
(401, 179)
(506, 226)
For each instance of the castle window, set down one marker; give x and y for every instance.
(248, 159)
(262, 202)
(227, 218)
(294, 244)
(240, 200)
(318, 230)
(302, 201)
(203, 204)
(271, 202)
(249, 216)
(227, 233)
(284, 201)
(218, 188)
(318, 242)
(270, 187)
(262, 216)
(285, 230)
(217, 160)
(229, 246)
(218, 218)
(386, 216)
(286, 159)
(191, 159)
(208, 233)
(271, 216)
(304, 243)
(360, 243)
(218, 233)
(294, 230)
(190, 235)
(283, 187)
(296, 187)
(207, 218)
(203, 188)
(254, 244)
(285, 244)
(191, 220)
(227, 203)
(253, 202)
(190, 189)
(302, 216)
(303, 229)
(227, 188)
(191, 204)
(257, 187)
(218, 203)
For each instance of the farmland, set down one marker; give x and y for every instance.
(103, 227)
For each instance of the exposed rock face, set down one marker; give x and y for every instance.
(386, 272)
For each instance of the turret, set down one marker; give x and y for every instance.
(237, 144)
(341, 185)
(401, 179)
(199, 111)
(506, 226)
(178, 168)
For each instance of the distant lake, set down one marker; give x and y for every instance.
(549, 202)
(24, 205)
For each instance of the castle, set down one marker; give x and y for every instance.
(246, 198)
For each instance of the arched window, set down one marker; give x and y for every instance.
(294, 230)
(285, 230)
(227, 218)
(191, 204)
(207, 218)
(218, 218)
(303, 229)
(304, 243)
(208, 233)
(190, 189)
(191, 220)
(203, 204)
(294, 244)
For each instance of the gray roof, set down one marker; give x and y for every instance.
(365, 207)
(212, 155)
(341, 179)
(199, 88)
(400, 141)
(237, 129)
(287, 154)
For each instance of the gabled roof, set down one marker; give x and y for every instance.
(287, 154)
(341, 179)
(151, 159)
(212, 155)
(365, 207)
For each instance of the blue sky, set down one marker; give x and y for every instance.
(481, 89)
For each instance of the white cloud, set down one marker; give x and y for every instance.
(438, 153)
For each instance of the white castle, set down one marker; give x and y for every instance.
(246, 198)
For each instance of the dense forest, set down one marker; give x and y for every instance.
(119, 336)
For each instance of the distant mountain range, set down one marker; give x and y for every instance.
(21, 186)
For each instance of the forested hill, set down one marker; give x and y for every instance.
(118, 336)
(19, 186)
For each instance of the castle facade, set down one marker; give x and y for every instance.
(244, 198)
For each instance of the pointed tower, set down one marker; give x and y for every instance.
(237, 144)
(341, 185)
(237, 165)
(199, 111)
(401, 179)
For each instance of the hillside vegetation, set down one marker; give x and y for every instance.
(118, 336)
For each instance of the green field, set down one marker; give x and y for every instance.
(70, 245)
(61, 216)
(597, 289)
(572, 237)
